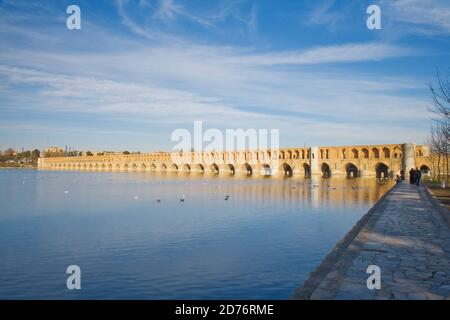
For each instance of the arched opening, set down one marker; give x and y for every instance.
(214, 168)
(125, 167)
(231, 169)
(382, 171)
(425, 170)
(376, 153)
(247, 169)
(326, 172)
(365, 153)
(266, 170)
(117, 166)
(200, 168)
(153, 166)
(134, 166)
(103, 166)
(174, 167)
(355, 154)
(163, 167)
(186, 168)
(307, 170)
(143, 166)
(352, 170)
(386, 153)
(286, 170)
(110, 166)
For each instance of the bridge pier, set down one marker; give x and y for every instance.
(409, 157)
(314, 161)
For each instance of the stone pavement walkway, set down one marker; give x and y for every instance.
(406, 236)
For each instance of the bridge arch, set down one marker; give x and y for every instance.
(247, 169)
(381, 170)
(351, 170)
(376, 153)
(110, 166)
(214, 168)
(307, 170)
(200, 168)
(174, 167)
(186, 168)
(163, 167)
(266, 170)
(365, 153)
(231, 169)
(286, 169)
(326, 172)
(425, 170)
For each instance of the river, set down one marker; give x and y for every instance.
(134, 238)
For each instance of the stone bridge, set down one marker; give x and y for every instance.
(381, 161)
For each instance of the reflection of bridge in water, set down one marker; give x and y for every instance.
(381, 161)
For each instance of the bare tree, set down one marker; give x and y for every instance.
(441, 96)
(439, 140)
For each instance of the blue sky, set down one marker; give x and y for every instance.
(137, 70)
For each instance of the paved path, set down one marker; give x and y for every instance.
(406, 236)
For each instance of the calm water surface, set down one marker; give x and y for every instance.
(259, 244)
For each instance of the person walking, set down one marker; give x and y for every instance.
(412, 178)
(417, 176)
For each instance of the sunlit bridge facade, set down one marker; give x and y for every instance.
(380, 161)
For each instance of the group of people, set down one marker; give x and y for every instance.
(415, 176)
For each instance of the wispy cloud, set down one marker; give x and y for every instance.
(353, 52)
(127, 21)
(167, 10)
(326, 13)
(423, 16)
(171, 14)
(307, 93)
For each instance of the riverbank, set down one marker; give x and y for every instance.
(406, 235)
(18, 167)
(442, 194)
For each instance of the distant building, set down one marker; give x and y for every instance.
(54, 150)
